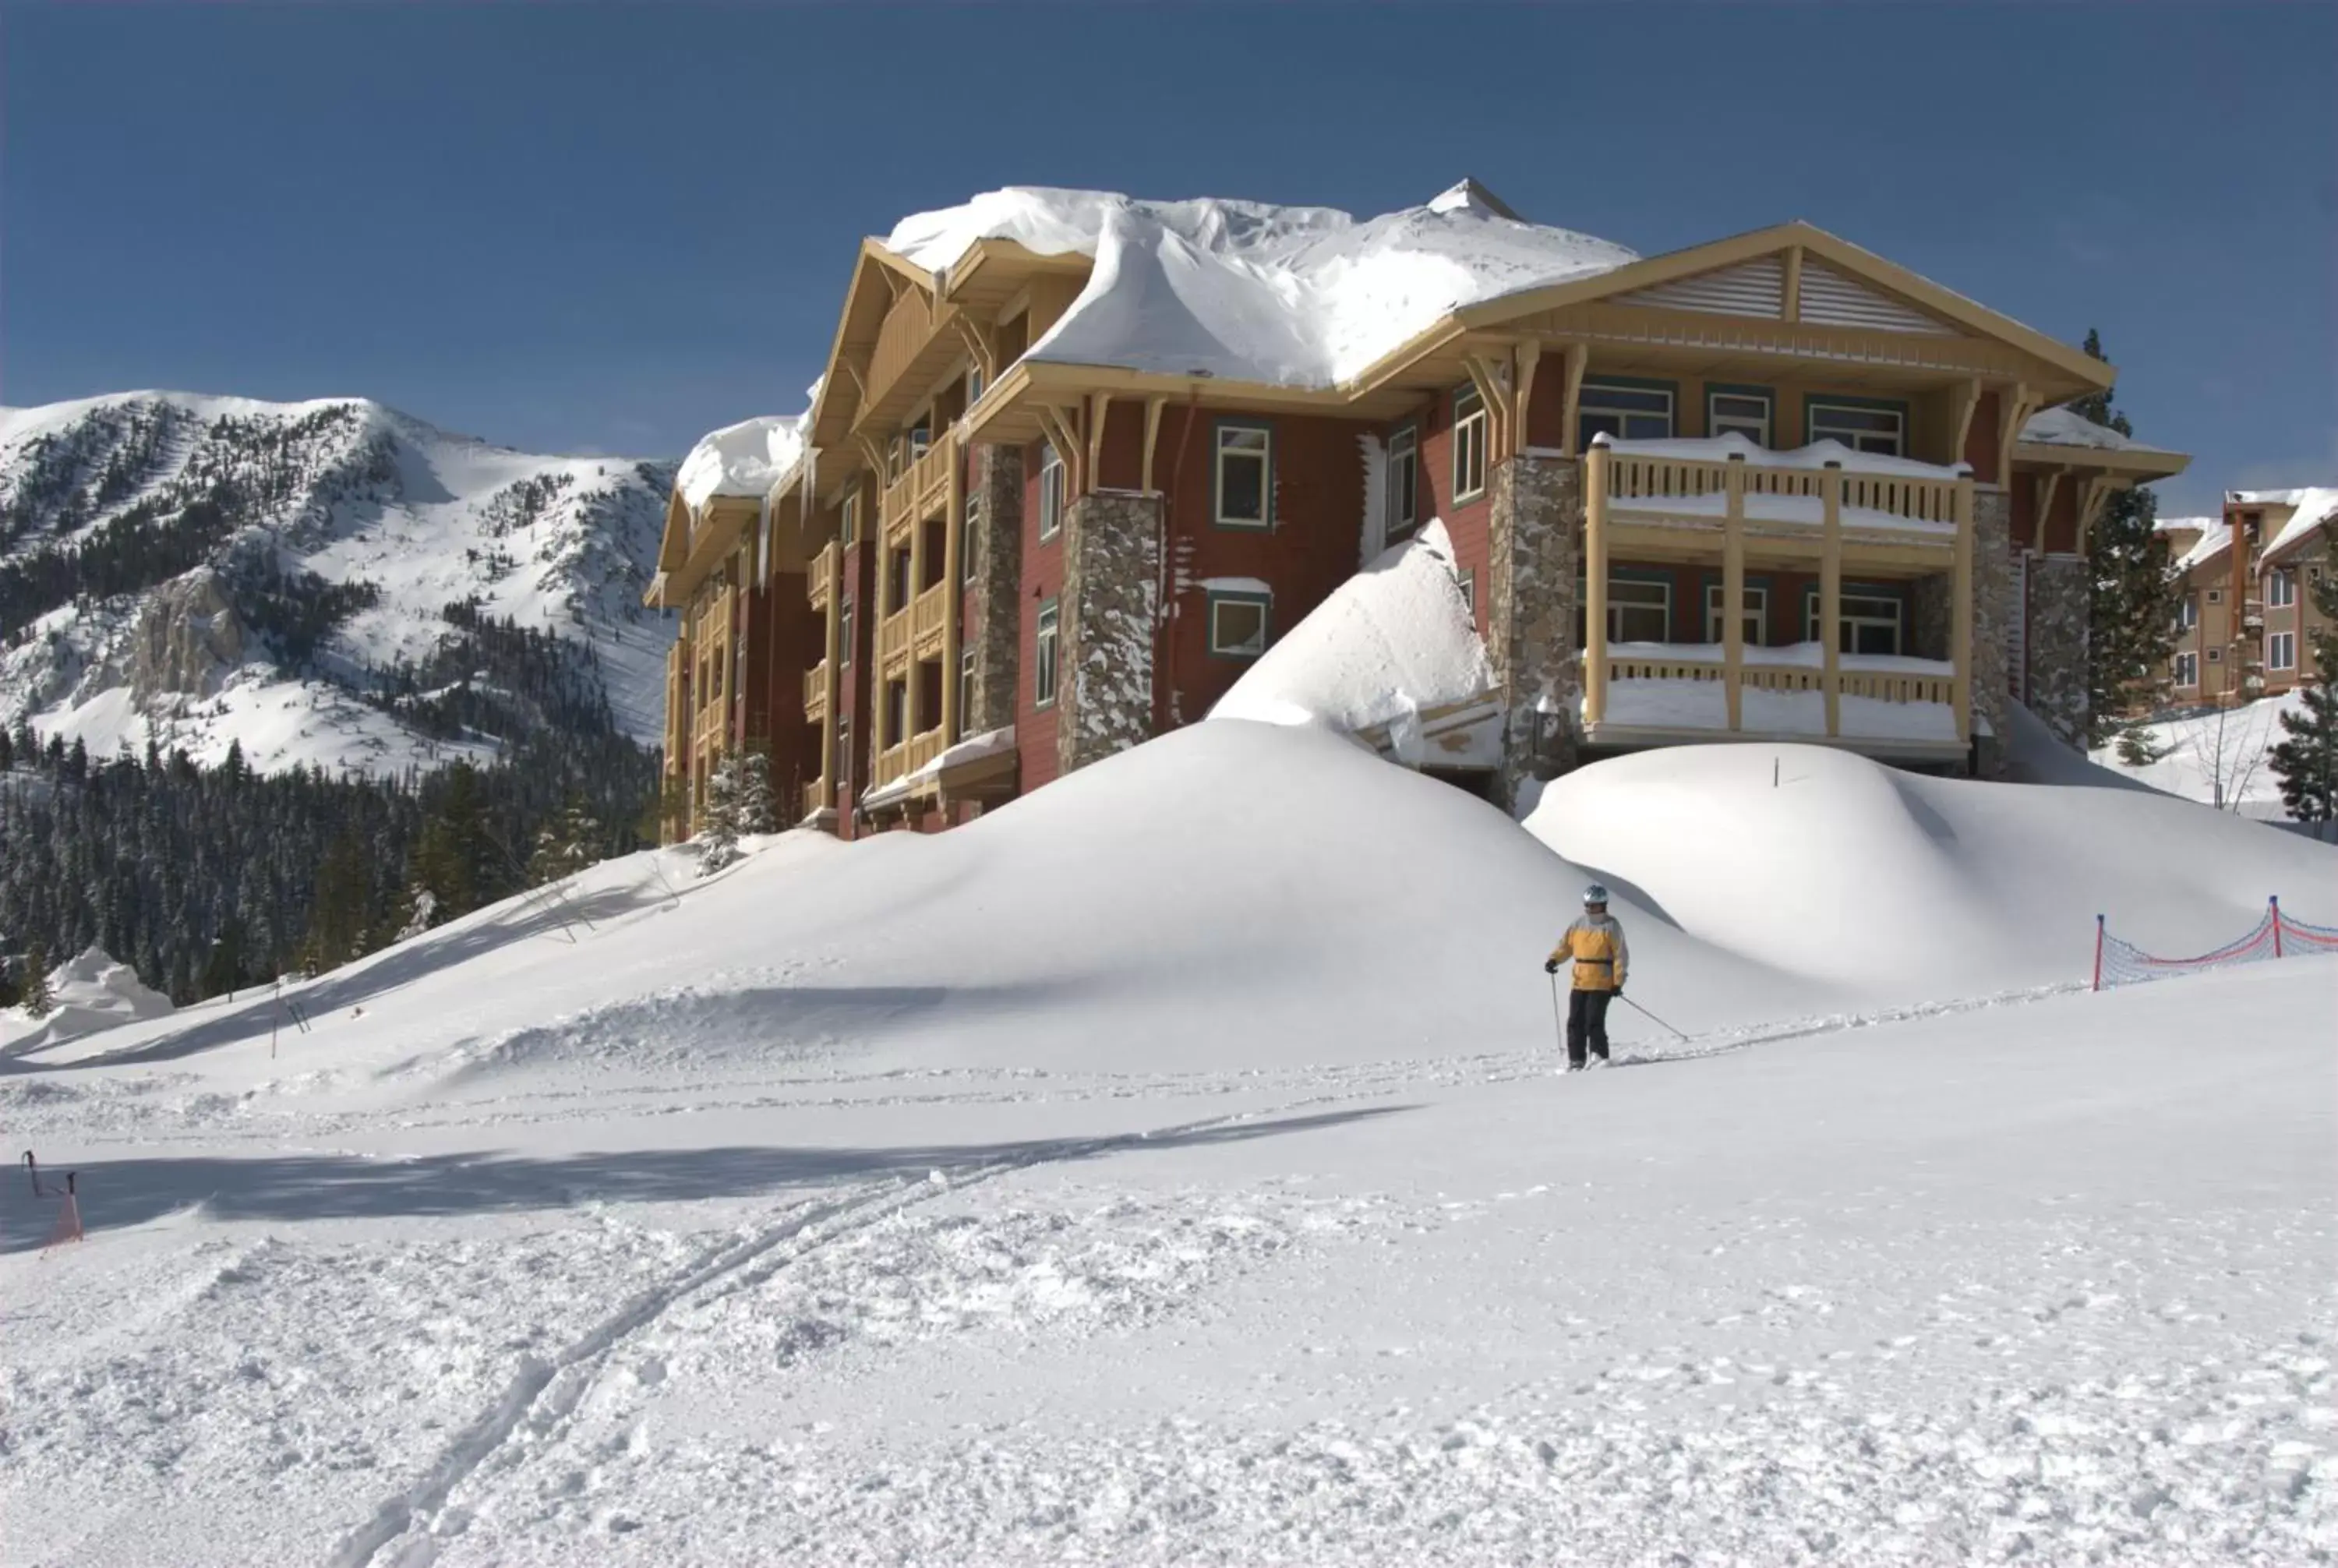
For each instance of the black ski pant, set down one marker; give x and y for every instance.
(1586, 1022)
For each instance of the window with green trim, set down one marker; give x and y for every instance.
(1238, 625)
(1746, 414)
(1625, 411)
(1245, 476)
(1403, 485)
(1756, 608)
(1872, 622)
(1051, 492)
(1044, 673)
(1469, 427)
(1859, 426)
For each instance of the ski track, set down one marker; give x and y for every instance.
(543, 1394)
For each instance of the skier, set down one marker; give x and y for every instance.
(1595, 943)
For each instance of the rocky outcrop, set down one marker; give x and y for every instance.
(186, 639)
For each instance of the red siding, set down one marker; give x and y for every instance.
(1468, 522)
(1318, 509)
(1043, 578)
(1981, 438)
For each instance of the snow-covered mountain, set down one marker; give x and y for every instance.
(330, 583)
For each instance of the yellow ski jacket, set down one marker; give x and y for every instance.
(1595, 944)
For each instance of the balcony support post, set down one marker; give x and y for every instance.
(953, 587)
(1732, 590)
(1830, 598)
(1960, 612)
(1594, 584)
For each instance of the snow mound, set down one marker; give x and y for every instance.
(1291, 296)
(1824, 864)
(1393, 641)
(2220, 756)
(89, 993)
(743, 459)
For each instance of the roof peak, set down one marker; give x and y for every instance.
(1468, 192)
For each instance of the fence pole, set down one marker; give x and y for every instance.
(2098, 952)
(2274, 904)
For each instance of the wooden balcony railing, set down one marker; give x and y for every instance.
(818, 796)
(1641, 483)
(893, 639)
(929, 618)
(819, 576)
(907, 498)
(815, 692)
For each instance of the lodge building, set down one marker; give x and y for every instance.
(1005, 542)
(2248, 620)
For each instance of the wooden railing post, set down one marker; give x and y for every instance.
(1830, 598)
(1733, 589)
(1594, 580)
(1960, 612)
(953, 586)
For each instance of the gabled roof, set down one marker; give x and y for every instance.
(2315, 508)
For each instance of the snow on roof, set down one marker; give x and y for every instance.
(2069, 428)
(1392, 641)
(2271, 497)
(2209, 546)
(742, 459)
(2314, 506)
(1291, 296)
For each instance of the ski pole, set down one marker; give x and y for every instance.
(1644, 1012)
(1557, 1018)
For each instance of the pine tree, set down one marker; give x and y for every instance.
(717, 839)
(567, 844)
(2306, 762)
(340, 908)
(2134, 596)
(34, 994)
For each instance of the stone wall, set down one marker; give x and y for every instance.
(1993, 609)
(994, 604)
(1112, 569)
(1536, 522)
(1932, 608)
(2058, 612)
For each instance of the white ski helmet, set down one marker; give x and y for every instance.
(1595, 894)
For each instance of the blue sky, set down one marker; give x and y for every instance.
(606, 227)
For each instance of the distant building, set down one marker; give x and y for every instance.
(2246, 626)
(1075, 461)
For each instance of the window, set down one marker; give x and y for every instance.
(1238, 625)
(1626, 410)
(965, 688)
(893, 462)
(1639, 610)
(2189, 615)
(2188, 669)
(2215, 655)
(1755, 609)
(973, 385)
(844, 747)
(1051, 493)
(967, 533)
(1245, 476)
(921, 439)
(844, 630)
(2281, 650)
(1043, 667)
(2216, 595)
(1469, 443)
(1403, 483)
(847, 521)
(1859, 426)
(2281, 590)
(1870, 623)
(1468, 581)
(896, 714)
(1745, 413)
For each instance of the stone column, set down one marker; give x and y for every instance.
(1935, 602)
(993, 630)
(2057, 644)
(1993, 610)
(1536, 521)
(1112, 566)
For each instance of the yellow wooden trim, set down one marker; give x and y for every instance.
(2015, 405)
(1153, 407)
(1595, 586)
(2047, 484)
(1831, 596)
(1792, 307)
(1490, 392)
(1732, 590)
(1099, 409)
(1524, 360)
(1967, 402)
(2092, 499)
(1961, 614)
(979, 345)
(954, 587)
(1060, 422)
(2130, 463)
(1578, 360)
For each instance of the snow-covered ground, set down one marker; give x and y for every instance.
(2220, 757)
(1169, 1168)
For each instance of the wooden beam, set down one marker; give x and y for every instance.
(1830, 597)
(2091, 502)
(1578, 356)
(2048, 484)
(852, 373)
(977, 344)
(1066, 445)
(1968, 401)
(1793, 306)
(1960, 611)
(1524, 360)
(2016, 403)
(1733, 589)
(1153, 406)
(1489, 393)
(1099, 409)
(1595, 586)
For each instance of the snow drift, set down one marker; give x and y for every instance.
(1394, 640)
(89, 993)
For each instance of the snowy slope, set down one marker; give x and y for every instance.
(2220, 756)
(1167, 1168)
(345, 489)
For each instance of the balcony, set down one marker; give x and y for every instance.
(2252, 614)
(820, 575)
(1884, 705)
(929, 620)
(815, 692)
(923, 484)
(818, 797)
